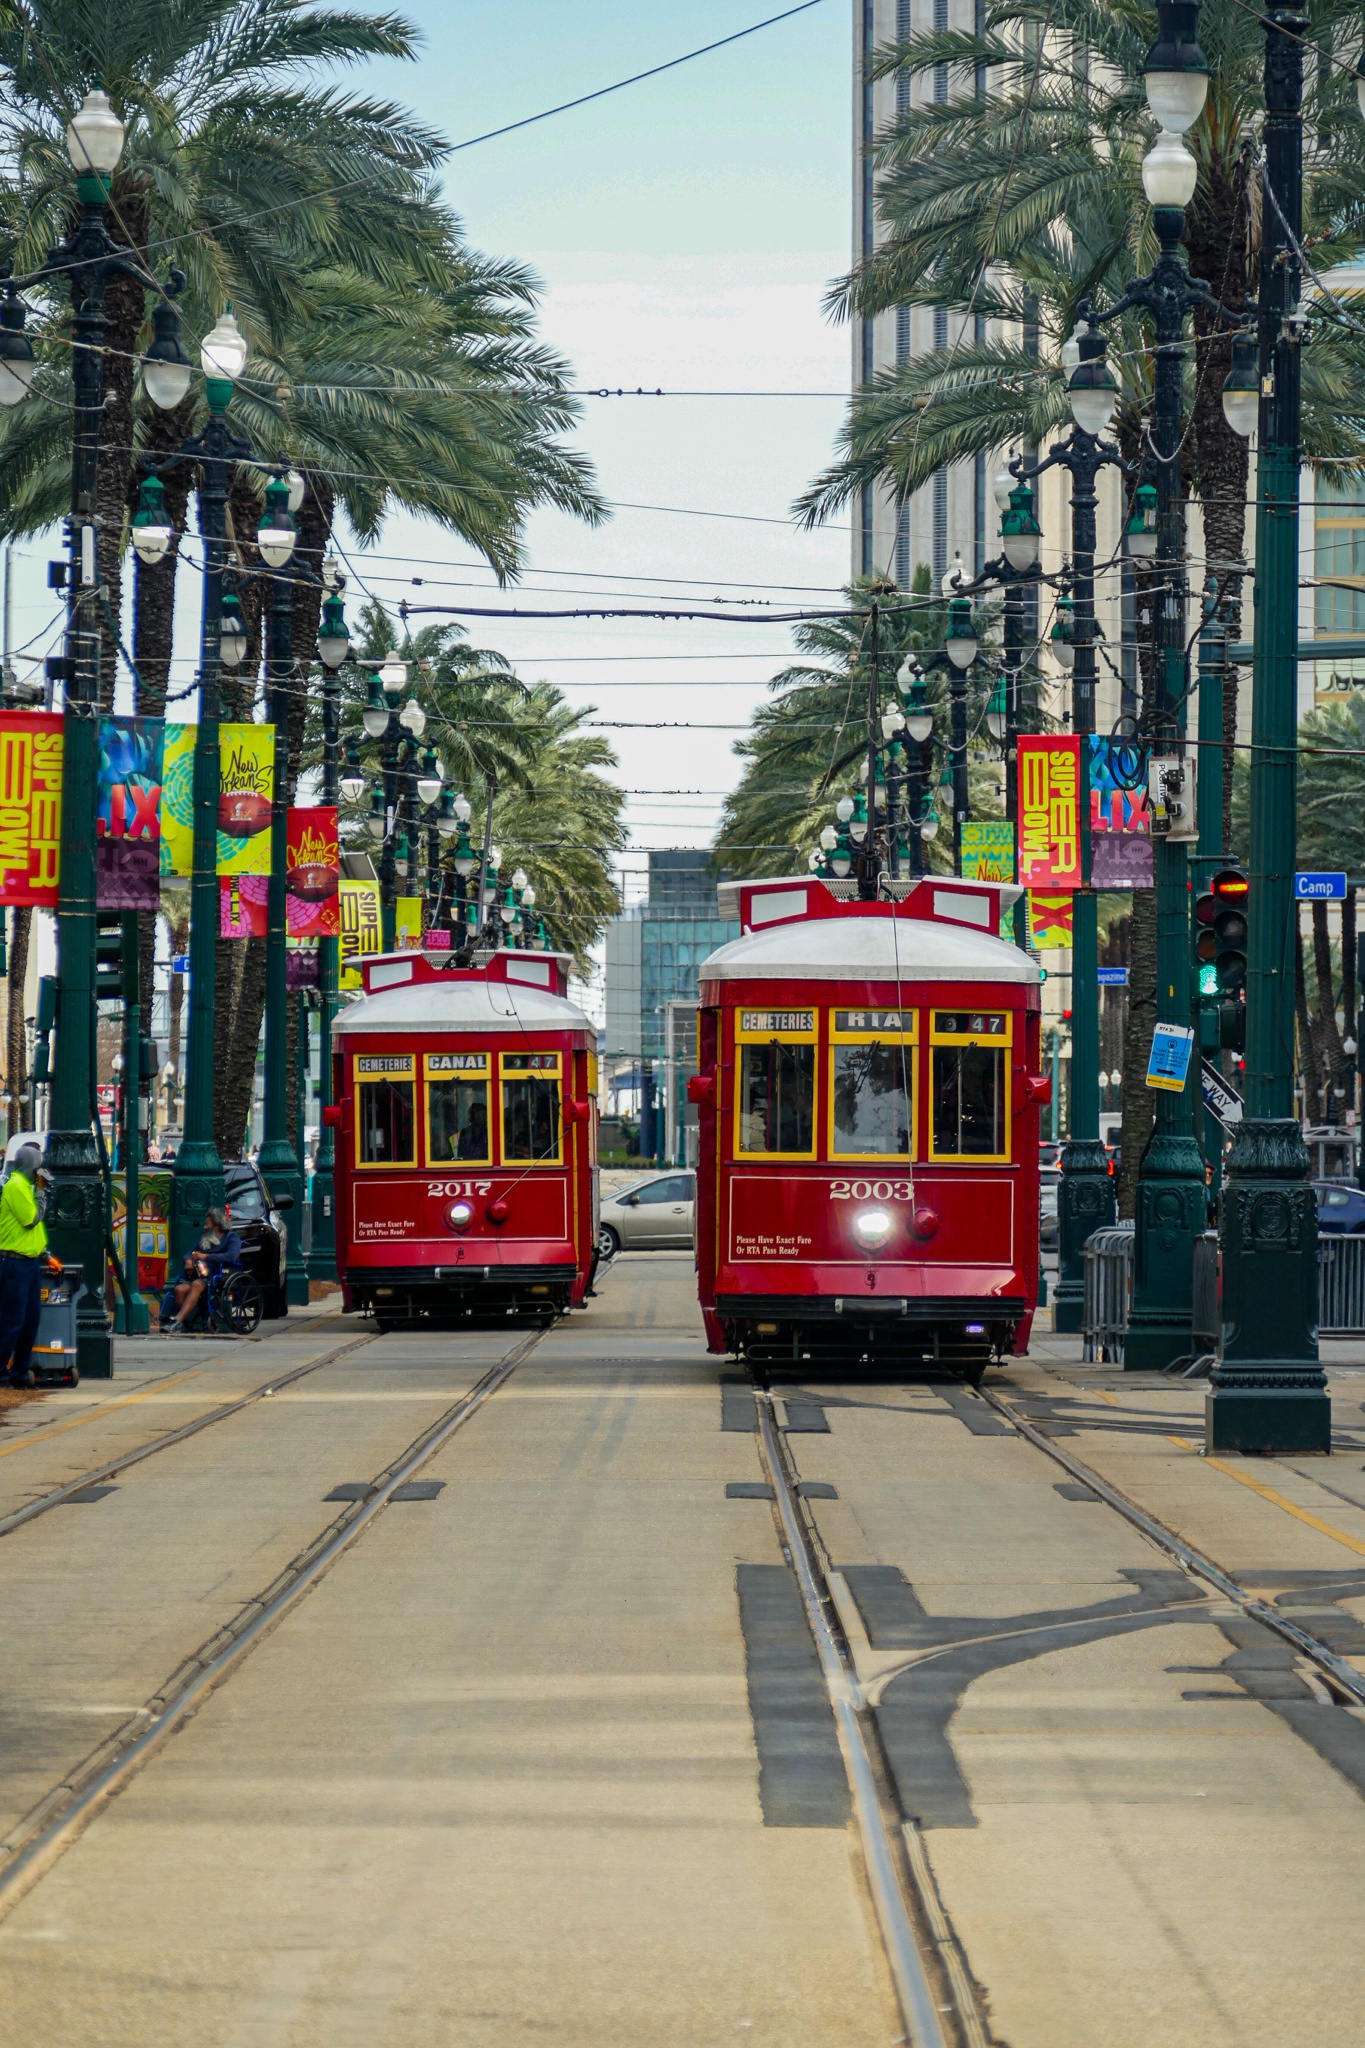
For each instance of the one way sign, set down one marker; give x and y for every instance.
(1224, 1102)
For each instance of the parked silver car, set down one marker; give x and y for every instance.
(653, 1214)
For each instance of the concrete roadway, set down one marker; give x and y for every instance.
(546, 1757)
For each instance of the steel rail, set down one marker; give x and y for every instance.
(1342, 1675)
(36, 1856)
(16, 1520)
(914, 1994)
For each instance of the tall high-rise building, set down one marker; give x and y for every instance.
(954, 513)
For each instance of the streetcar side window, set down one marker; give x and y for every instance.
(777, 1098)
(384, 1123)
(530, 1108)
(457, 1108)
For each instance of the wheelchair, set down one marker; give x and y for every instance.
(232, 1304)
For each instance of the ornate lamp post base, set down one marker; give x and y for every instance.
(1085, 1203)
(1268, 1392)
(75, 1220)
(1170, 1215)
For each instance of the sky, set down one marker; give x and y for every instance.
(685, 230)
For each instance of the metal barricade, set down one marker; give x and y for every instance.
(1108, 1259)
(1341, 1285)
(1206, 1317)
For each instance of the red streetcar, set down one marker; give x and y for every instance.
(867, 1182)
(465, 1111)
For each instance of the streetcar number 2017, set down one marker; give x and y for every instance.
(871, 1190)
(451, 1188)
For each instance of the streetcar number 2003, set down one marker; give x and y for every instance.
(871, 1190)
(450, 1188)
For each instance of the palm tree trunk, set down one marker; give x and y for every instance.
(1308, 1059)
(125, 309)
(1329, 1038)
(16, 1042)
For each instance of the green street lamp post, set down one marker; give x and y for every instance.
(1268, 1391)
(279, 1160)
(1086, 1192)
(1170, 1194)
(86, 258)
(334, 646)
(198, 1175)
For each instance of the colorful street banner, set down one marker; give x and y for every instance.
(242, 906)
(246, 788)
(1049, 812)
(301, 967)
(359, 929)
(312, 907)
(177, 800)
(1049, 920)
(128, 814)
(1120, 821)
(407, 924)
(988, 852)
(30, 806)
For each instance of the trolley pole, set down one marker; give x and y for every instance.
(1268, 1391)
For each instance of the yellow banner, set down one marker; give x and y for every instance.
(359, 929)
(177, 800)
(407, 924)
(1050, 920)
(246, 788)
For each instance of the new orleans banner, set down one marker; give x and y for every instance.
(311, 874)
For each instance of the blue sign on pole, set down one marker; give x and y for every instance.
(180, 963)
(1112, 977)
(1320, 888)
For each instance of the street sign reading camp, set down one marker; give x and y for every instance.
(1326, 888)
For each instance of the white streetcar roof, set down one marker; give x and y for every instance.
(463, 1005)
(869, 949)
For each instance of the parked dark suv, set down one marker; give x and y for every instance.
(262, 1230)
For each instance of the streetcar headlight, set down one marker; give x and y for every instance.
(459, 1215)
(872, 1227)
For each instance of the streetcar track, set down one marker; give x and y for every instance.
(917, 1940)
(1341, 1677)
(19, 1516)
(67, 1809)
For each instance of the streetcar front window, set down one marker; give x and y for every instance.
(385, 1123)
(777, 1098)
(969, 1102)
(873, 1091)
(530, 1107)
(457, 1121)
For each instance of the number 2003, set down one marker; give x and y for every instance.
(874, 1190)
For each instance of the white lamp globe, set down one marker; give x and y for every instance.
(224, 350)
(94, 137)
(1169, 172)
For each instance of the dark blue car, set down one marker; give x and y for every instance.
(1341, 1207)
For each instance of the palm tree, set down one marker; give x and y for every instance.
(1021, 195)
(807, 744)
(232, 168)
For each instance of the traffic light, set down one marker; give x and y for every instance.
(109, 958)
(1230, 889)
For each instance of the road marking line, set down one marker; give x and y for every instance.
(43, 1436)
(1277, 1499)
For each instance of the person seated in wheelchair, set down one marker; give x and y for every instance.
(218, 1250)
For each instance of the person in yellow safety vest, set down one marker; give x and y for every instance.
(23, 1261)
